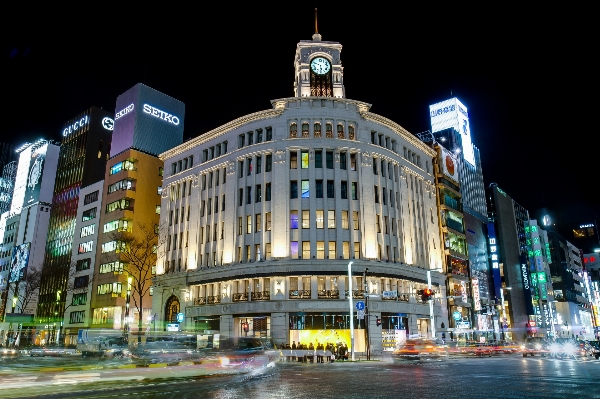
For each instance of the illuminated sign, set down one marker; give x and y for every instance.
(19, 261)
(108, 123)
(525, 276)
(453, 114)
(449, 166)
(173, 327)
(583, 226)
(542, 277)
(494, 250)
(475, 286)
(76, 126)
(161, 114)
(546, 220)
(124, 111)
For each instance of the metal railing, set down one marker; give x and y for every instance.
(260, 295)
(329, 294)
(240, 297)
(299, 294)
(199, 301)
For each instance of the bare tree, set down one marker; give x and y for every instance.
(138, 252)
(27, 289)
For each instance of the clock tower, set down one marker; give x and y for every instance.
(319, 71)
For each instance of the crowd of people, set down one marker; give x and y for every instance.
(319, 353)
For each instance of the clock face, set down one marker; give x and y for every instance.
(320, 66)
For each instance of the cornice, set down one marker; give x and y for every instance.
(400, 130)
(221, 130)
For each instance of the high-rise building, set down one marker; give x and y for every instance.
(82, 161)
(7, 185)
(284, 202)
(25, 230)
(147, 123)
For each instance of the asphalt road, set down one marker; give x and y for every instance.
(496, 377)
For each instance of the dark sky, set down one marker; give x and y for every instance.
(524, 76)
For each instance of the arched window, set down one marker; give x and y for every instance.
(317, 128)
(305, 130)
(329, 130)
(171, 309)
(340, 131)
(351, 132)
(293, 130)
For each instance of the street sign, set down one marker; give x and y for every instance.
(505, 325)
(360, 315)
(360, 305)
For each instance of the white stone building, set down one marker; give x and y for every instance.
(261, 216)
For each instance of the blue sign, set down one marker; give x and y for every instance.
(180, 317)
(360, 305)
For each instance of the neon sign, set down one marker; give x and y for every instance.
(583, 226)
(108, 123)
(161, 114)
(525, 276)
(124, 111)
(76, 126)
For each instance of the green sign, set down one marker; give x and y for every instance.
(542, 277)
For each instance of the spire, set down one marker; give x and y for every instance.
(316, 37)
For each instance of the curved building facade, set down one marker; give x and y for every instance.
(261, 217)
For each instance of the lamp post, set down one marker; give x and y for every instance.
(431, 316)
(351, 304)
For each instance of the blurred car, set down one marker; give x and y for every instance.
(241, 351)
(566, 349)
(504, 347)
(533, 348)
(419, 349)
(470, 348)
(9, 352)
(593, 348)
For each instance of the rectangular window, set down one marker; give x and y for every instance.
(124, 184)
(320, 249)
(250, 138)
(269, 163)
(346, 250)
(83, 264)
(357, 250)
(374, 166)
(352, 161)
(259, 136)
(87, 230)
(305, 189)
(306, 219)
(293, 219)
(294, 189)
(330, 189)
(257, 223)
(293, 160)
(319, 218)
(249, 195)
(203, 184)
(157, 210)
(318, 159)
(268, 251)
(376, 191)
(269, 133)
(202, 208)
(294, 249)
(343, 160)
(344, 190)
(268, 221)
(91, 197)
(258, 164)
(240, 168)
(305, 249)
(125, 165)
(222, 203)
(89, 214)
(355, 220)
(79, 299)
(79, 316)
(240, 226)
(304, 155)
(224, 176)
(81, 281)
(183, 189)
(248, 166)
(241, 140)
(331, 219)
(354, 190)
(384, 196)
(332, 251)
(378, 223)
(329, 159)
(319, 188)
(385, 225)
(240, 197)
(120, 204)
(258, 193)
(85, 247)
(382, 168)
(208, 207)
(345, 220)
(248, 224)
(268, 192)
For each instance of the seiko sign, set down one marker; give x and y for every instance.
(76, 126)
(165, 116)
(124, 111)
(525, 276)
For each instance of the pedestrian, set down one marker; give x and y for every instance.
(319, 352)
(293, 351)
(311, 348)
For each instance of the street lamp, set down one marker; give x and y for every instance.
(431, 316)
(350, 302)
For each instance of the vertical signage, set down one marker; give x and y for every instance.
(494, 258)
(475, 286)
(526, 282)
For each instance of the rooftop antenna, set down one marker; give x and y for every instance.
(316, 36)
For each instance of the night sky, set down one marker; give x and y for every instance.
(523, 76)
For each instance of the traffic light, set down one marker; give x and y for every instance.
(427, 294)
(245, 326)
(378, 322)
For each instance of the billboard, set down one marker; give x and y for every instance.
(34, 175)
(19, 261)
(147, 120)
(21, 180)
(453, 114)
(449, 166)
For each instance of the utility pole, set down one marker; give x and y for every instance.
(366, 290)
